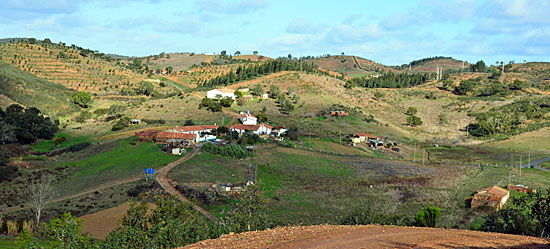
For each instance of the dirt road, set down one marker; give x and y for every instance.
(371, 236)
(165, 184)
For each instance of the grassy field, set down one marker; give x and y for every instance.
(8, 243)
(117, 160)
(545, 164)
(208, 168)
(49, 145)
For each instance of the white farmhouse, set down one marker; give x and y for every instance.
(220, 93)
(248, 119)
(259, 129)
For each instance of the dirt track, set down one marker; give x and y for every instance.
(165, 184)
(371, 236)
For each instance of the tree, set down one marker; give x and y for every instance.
(146, 88)
(248, 214)
(479, 66)
(411, 111)
(255, 52)
(465, 86)
(414, 121)
(289, 56)
(257, 90)
(188, 122)
(7, 133)
(137, 62)
(237, 53)
(428, 217)
(169, 69)
(274, 91)
(6, 171)
(41, 193)
(82, 99)
(223, 53)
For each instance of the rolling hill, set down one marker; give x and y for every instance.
(350, 66)
(70, 66)
(21, 87)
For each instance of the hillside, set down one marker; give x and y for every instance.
(371, 236)
(350, 66)
(431, 64)
(21, 87)
(71, 67)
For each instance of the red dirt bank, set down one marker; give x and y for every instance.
(371, 236)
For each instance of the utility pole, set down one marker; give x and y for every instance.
(530, 148)
(520, 166)
(309, 144)
(509, 177)
(423, 157)
(414, 152)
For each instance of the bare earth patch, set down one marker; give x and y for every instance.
(371, 236)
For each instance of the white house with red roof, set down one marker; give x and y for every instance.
(248, 119)
(258, 129)
(220, 93)
(199, 130)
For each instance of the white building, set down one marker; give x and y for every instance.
(259, 129)
(248, 119)
(220, 93)
(196, 129)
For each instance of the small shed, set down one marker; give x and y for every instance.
(135, 121)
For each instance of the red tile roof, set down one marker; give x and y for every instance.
(176, 135)
(495, 190)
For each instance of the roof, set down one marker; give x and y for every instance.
(248, 115)
(365, 134)
(147, 133)
(196, 128)
(249, 127)
(224, 90)
(176, 135)
(495, 190)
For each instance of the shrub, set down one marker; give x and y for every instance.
(411, 110)
(82, 99)
(121, 124)
(414, 121)
(428, 217)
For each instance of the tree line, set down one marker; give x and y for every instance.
(390, 80)
(171, 224)
(246, 72)
(25, 125)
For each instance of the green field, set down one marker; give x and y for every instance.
(209, 168)
(124, 160)
(49, 145)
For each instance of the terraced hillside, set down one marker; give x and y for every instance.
(69, 66)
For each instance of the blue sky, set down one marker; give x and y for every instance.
(391, 32)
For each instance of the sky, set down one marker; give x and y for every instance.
(391, 32)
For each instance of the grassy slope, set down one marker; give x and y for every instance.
(31, 91)
(209, 168)
(122, 161)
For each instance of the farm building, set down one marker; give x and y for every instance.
(147, 135)
(197, 129)
(277, 132)
(220, 93)
(492, 197)
(248, 119)
(521, 188)
(175, 139)
(259, 129)
(135, 121)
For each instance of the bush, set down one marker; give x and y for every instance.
(82, 99)
(428, 217)
(411, 111)
(121, 124)
(414, 121)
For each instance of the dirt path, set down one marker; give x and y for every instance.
(249, 82)
(165, 184)
(371, 236)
